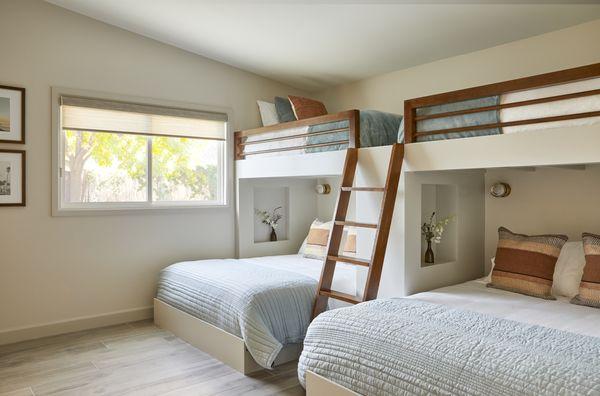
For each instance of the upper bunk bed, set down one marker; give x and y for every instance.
(321, 141)
(549, 119)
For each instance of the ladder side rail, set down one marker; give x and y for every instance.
(385, 222)
(335, 236)
(354, 130)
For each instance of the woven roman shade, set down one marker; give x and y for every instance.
(97, 115)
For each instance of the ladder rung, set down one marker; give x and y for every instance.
(349, 298)
(355, 224)
(351, 260)
(375, 189)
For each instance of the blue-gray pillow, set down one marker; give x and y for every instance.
(284, 110)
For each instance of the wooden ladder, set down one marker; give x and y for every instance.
(375, 264)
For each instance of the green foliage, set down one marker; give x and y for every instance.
(175, 173)
(173, 167)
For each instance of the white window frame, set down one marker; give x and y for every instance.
(61, 208)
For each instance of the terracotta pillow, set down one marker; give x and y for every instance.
(525, 264)
(589, 288)
(306, 108)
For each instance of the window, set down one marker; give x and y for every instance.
(117, 155)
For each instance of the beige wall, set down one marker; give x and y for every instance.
(571, 47)
(57, 269)
(543, 201)
(548, 200)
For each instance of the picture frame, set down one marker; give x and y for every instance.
(12, 114)
(12, 178)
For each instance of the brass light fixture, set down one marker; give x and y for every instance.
(500, 190)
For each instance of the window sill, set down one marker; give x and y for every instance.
(122, 210)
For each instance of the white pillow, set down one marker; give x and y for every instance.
(488, 277)
(268, 114)
(303, 246)
(321, 224)
(315, 223)
(569, 270)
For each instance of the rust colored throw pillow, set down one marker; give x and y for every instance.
(525, 264)
(306, 108)
(589, 288)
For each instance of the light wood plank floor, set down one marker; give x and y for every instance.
(130, 359)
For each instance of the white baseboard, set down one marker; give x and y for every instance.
(10, 336)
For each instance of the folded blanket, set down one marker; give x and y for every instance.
(462, 120)
(376, 129)
(266, 307)
(405, 346)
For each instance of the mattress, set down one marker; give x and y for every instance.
(266, 301)
(475, 296)
(463, 339)
(569, 106)
(278, 144)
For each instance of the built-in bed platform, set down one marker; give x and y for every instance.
(545, 120)
(461, 339)
(250, 313)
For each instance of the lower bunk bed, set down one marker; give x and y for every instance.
(462, 339)
(251, 314)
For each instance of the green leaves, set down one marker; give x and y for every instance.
(182, 169)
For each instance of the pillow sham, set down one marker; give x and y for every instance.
(568, 270)
(349, 243)
(525, 264)
(303, 246)
(284, 110)
(268, 113)
(306, 108)
(315, 244)
(316, 241)
(488, 278)
(589, 289)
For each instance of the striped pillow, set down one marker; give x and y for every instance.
(316, 242)
(589, 288)
(525, 264)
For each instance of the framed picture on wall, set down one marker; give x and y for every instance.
(12, 177)
(12, 114)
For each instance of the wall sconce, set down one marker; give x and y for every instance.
(323, 189)
(500, 190)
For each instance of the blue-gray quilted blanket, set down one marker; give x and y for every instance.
(406, 346)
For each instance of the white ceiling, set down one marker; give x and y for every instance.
(316, 45)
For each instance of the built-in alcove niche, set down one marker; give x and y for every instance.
(269, 198)
(443, 200)
(460, 255)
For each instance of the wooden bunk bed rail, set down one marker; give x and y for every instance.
(353, 141)
(411, 106)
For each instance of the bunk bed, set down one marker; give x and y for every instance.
(439, 131)
(317, 146)
(253, 313)
(467, 338)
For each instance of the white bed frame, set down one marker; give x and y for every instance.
(218, 343)
(317, 385)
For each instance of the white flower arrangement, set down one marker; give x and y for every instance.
(433, 231)
(270, 218)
